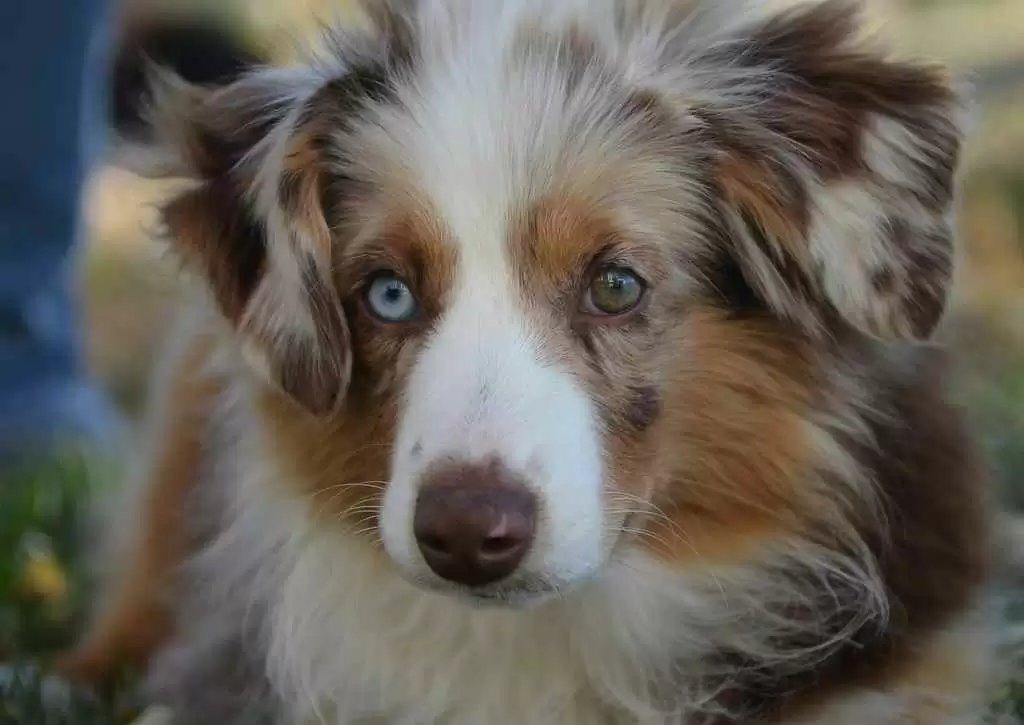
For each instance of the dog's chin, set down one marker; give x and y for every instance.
(507, 598)
(521, 594)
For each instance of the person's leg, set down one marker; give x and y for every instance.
(52, 70)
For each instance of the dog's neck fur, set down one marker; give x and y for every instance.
(307, 615)
(348, 640)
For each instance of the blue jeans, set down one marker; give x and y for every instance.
(52, 128)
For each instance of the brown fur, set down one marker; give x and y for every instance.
(344, 460)
(220, 240)
(766, 392)
(137, 616)
(933, 545)
(829, 90)
(738, 407)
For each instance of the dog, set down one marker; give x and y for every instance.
(201, 50)
(562, 361)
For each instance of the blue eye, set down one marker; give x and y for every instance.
(390, 299)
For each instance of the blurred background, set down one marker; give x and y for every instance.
(128, 284)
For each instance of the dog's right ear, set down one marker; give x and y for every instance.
(153, 44)
(251, 226)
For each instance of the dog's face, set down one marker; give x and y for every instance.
(521, 288)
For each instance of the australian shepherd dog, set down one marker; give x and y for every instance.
(559, 362)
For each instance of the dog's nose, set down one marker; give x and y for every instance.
(474, 524)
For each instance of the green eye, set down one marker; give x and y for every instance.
(613, 291)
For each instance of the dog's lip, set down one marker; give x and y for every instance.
(508, 598)
(513, 595)
(525, 590)
(506, 594)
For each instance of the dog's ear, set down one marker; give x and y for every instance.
(836, 166)
(251, 224)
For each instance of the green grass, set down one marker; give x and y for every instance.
(42, 514)
(1008, 696)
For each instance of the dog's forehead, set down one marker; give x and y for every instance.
(510, 150)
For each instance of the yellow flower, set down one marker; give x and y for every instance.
(43, 577)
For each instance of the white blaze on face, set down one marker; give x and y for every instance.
(481, 390)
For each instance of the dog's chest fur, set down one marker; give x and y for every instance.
(283, 610)
(347, 641)
(389, 651)
(346, 637)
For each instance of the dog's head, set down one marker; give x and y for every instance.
(523, 284)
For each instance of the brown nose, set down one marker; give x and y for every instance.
(474, 524)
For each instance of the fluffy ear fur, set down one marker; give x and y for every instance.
(251, 226)
(837, 167)
(199, 49)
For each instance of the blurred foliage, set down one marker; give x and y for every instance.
(43, 591)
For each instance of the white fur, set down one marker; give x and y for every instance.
(351, 636)
(847, 243)
(482, 146)
(481, 387)
(482, 390)
(351, 642)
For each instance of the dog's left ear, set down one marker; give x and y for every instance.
(836, 166)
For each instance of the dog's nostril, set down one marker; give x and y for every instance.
(474, 530)
(498, 545)
(434, 542)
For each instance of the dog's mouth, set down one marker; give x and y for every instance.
(525, 592)
(513, 597)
